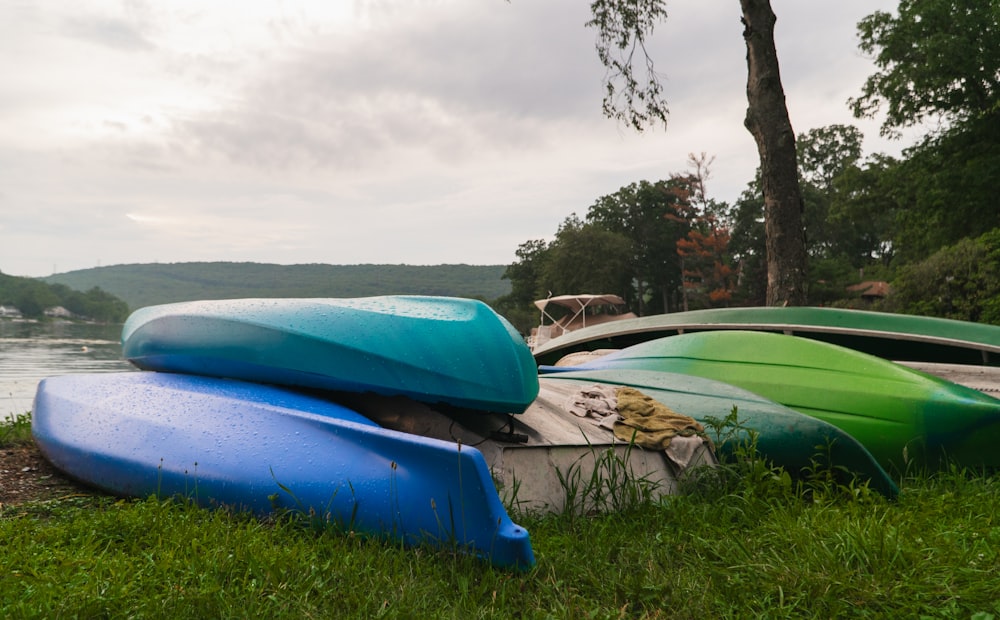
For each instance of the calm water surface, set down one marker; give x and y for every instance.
(29, 352)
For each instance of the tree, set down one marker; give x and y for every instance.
(748, 248)
(32, 298)
(767, 120)
(585, 258)
(623, 26)
(708, 276)
(945, 189)
(652, 216)
(936, 59)
(706, 264)
(627, 245)
(526, 285)
(864, 202)
(96, 304)
(824, 154)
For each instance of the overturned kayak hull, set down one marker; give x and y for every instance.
(262, 448)
(432, 349)
(786, 437)
(903, 417)
(883, 334)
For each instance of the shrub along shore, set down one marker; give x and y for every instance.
(743, 541)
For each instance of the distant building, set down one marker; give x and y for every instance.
(870, 290)
(58, 312)
(9, 312)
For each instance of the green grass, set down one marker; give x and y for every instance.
(744, 542)
(15, 430)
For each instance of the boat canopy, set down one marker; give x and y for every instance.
(577, 316)
(579, 303)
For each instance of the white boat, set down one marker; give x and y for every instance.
(575, 312)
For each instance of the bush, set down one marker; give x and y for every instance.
(957, 282)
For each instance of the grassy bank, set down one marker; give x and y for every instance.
(742, 546)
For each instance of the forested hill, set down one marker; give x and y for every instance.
(149, 284)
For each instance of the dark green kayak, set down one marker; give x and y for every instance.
(785, 437)
(905, 418)
(883, 334)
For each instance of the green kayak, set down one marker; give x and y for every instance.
(905, 418)
(785, 437)
(883, 334)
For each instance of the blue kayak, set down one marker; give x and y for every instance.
(262, 448)
(432, 349)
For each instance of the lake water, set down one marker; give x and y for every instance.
(29, 352)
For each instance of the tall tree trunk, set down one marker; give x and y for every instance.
(767, 120)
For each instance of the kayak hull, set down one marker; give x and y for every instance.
(786, 437)
(883, 334)
(432, 349)
(262, 448)
(903, 417)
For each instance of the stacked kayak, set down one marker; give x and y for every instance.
(214, 424)
(905, 418)
(785, 437)
(364, 411)
(432, 349)
(262, 448)
(883, 334)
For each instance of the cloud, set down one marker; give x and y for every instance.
(414, 131)
(117, 34)
(447, 84)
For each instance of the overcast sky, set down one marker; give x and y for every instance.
(380, 131)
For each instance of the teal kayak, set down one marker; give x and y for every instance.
(786, 437)
(903, 417)
(432, 349)
(883, 334)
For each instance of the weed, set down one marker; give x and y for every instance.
(15, 429)
(742, 468)
(826, 481)
(603, 481)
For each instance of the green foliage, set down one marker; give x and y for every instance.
(828, 279)
(747, 244)
(935, 59)
(149, 284)
(15, 430)
(958, 282)
(33, 297)
(95, 303)
(863, 203)
(525, 277)
(824, 153)
(945, 189)
(825, 156)
(587, 258)
(938, 60)
(627, 246)
(622, 28)
(653, 217)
